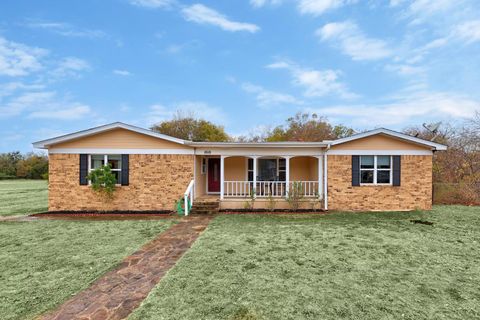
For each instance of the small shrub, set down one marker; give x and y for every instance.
(251, 202)
(271, 203)
(295, 195)
(103, 182)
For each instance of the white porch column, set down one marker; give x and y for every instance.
(325, 180)
(222, 176)
(320, 177)
(255, 176)
(287, 176)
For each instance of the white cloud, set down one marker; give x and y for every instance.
(70, 67)
(468, 31)
(266, 98)
(404, 69)
(318, 7)
(43, 104)
(316, 83)
(261, 3)
(161, 112)
(201, 14)
(124, 73)
(65, 29)
(406, 107)
(19, 60)
(153, 4)
(72, 112)
(353, 42)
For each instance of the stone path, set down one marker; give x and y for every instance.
(117, 293)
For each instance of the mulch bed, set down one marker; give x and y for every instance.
(110, 215)
(286, 211)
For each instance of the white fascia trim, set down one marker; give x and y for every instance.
(116, 125)
(258, 152)
(286, 144)
(381, 152)
(119, 151)
(392, 133)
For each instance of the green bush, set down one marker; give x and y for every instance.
(103, 181)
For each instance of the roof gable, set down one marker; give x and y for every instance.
(43, 144)
(393, 134)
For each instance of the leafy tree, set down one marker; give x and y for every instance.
(8, 163)
(188, 127)
(308, 127)
(32, 166)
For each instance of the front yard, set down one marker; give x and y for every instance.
(335, 266)
(45, 262)
(20, 197)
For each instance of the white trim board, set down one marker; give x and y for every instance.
(381, 152)
(120, 151)
(259, 152)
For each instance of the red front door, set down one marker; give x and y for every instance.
(213, 175)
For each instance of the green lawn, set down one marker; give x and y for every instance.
(19, 197)
(335, 266)
(44, 262)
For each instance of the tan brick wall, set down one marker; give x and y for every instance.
(156, 181)
(415, 190)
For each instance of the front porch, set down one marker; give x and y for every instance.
(234, 179)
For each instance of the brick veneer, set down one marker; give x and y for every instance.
(415, 191)
(156, 182)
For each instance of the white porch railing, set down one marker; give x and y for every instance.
(188, 197)
(243, 189)
(308, 188)
(238, 189)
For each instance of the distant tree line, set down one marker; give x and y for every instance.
(23, 166)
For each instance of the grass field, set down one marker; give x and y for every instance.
(335, 266)
(44, 262)
(19, 197)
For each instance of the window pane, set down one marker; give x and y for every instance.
(383, 162)
(115, 161)
(267, 169)
(383, 176)
(366, 176)
(250, 175)
(366, 162)
(118, 176)
(282, 164)
(96, 161)
(282, 176)
(250, 164)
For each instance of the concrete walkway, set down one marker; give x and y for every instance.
(117, 293)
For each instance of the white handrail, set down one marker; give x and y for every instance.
(243, 189)
(188, 194)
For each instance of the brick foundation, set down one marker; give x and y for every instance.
(415, 191)
(156, 182)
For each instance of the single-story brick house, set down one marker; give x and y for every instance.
(374, 170)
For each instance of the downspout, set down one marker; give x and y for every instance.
(325, 178)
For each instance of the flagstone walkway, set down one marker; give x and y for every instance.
(117, 293)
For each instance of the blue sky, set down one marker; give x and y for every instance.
(71, 65)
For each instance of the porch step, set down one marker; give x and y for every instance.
(205, 207)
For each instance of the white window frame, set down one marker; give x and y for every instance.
(105, 161)
(375, 169)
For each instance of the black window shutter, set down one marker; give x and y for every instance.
(397, 165)
(83, 169)
(125, 170)
(355, 171)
